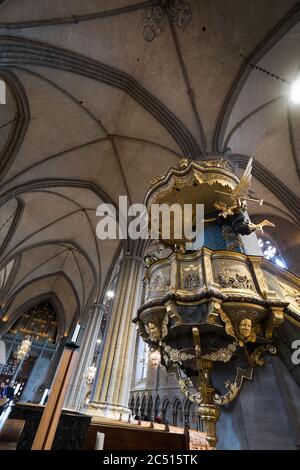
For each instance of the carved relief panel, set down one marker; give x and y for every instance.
(272, 281)
(290, 294)
(190, 276)
(158, 283)
(232, 274)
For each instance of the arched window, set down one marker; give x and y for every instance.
(150, 408)
(157, 406)
(143, 408)
(131, 404)
(271, 251)
(166, 409)
(137, 406)
(177, 413)
(28, 374)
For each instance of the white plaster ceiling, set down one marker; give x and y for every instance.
(101, 111)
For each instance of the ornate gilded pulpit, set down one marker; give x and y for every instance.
(205, 306)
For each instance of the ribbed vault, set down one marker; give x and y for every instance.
(94, 111)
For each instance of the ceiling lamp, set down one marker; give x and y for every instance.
(110, 294)
(295, 92)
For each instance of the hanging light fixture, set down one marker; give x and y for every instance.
(155, 359)
(23, 350)
(90, 375)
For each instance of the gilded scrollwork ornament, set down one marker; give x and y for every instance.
(255, 357)
(183, 163)
(213, 313)
(172, 311)
(185, 385)
(225, 210)
(233, 387)
(218, 164)
(274, 320)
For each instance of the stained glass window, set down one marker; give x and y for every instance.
(271, 251)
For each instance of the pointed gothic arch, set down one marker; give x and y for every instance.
(53, 300)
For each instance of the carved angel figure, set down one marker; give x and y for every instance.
(290, 293)
(239, 195)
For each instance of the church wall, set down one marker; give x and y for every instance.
(272, 394)
(3, 356)
(266, 413)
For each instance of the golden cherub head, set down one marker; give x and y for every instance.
(245, 327)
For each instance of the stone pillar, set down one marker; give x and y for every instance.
(111, 391)
(88, 344)
(2, 327)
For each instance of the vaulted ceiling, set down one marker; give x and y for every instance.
(102, 95)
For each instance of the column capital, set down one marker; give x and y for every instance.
(129, 256)
(98, 305)
(135, 247)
